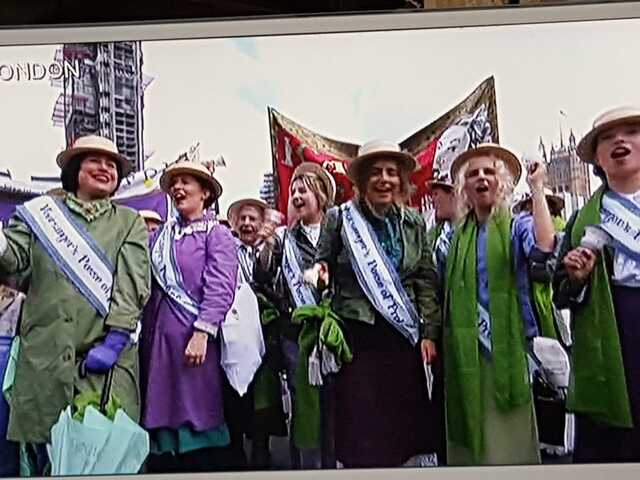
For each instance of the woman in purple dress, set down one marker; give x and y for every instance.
(194, 265)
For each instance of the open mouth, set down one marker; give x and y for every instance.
(101, 178)
(482, 189)
(179, 196)
(620, 152)
(298, 204)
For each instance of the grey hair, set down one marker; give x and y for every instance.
(504, 194)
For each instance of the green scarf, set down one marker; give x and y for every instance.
(598, 387)
(465, 422)
(306, 410)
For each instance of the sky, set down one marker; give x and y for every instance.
(353, 87)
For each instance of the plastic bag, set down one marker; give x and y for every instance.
(242, 346)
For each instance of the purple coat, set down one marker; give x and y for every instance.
(175, 394)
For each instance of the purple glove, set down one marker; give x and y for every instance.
(102, 357)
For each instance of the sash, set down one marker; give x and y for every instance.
(376, 276)
(246, 264)
(166, 272)
(300, 290)
(484, 329)
(621, 220)
(72, 248)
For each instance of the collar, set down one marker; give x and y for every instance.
(91, 210)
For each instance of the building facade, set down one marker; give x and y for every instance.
(107, 98)
(568, 176)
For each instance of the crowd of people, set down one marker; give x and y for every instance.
(399, 344)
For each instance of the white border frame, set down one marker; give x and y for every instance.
(354, 23)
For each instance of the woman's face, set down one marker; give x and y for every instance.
(383, 184)
(444, 202)
(188, 195)
(304, 202)
(248, 224)
(481, 182)
(97, 177)
(618, 151)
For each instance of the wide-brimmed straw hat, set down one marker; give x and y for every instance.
(376, 149)
(555, 201)
(191, 168)
(324, 176)
(442, 180)
(96, 144)
(608, 119)
(236, 206)
(507, 156)
(151, 215)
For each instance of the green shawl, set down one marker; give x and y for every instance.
(306, 409)
(598, 387)
(465, 422)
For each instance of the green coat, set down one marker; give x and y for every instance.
(417, 272)
(59, 326)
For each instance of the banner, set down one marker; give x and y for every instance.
(292, 144)
(469, 123)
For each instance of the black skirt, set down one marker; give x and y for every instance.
(383, 412)
(598, 443)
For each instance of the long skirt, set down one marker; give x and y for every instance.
(383, 412)
(510, 438)
(598, 443)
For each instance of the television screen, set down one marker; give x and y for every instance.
(249, 246)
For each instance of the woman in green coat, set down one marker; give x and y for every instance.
(89, 264)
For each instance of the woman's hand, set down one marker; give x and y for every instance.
(318, 275)
(579, 263)
(196, 350)
(428, 350)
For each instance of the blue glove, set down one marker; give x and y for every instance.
(104, 356)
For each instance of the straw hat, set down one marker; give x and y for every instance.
(236, 206)
(96, 144)
(376, 149)
(442, 180)
(556, 202)
(191, 168)
(608, 119)
(507, 156)
(325, 177)
(151, 215)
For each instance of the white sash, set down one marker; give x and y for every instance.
(621, 219)
(484, 328)
(165, 269)
(72, 248)
(300, 290)
(376, 276)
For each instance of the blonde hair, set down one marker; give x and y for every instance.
(504, 193)
(312, 182)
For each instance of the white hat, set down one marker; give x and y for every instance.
(374, 150)
(504, 154)
(94, 143)
(191, 168)
(608, 119)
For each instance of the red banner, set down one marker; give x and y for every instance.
(469, 123)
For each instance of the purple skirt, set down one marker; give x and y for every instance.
(598, 443)
(383, 412)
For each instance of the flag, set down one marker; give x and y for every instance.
(293, 144)
(471, 122)
(435, 146)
